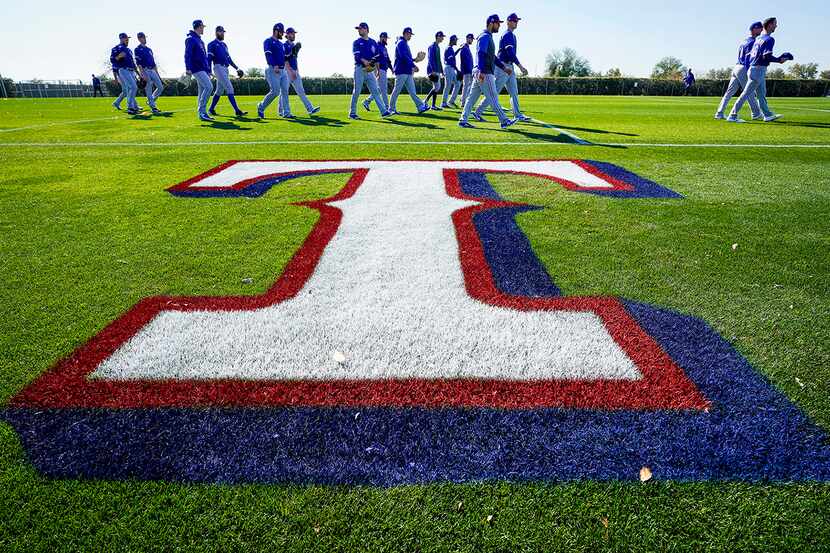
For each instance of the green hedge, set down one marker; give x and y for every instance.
(529, 86)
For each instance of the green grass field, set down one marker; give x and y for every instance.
(88, 230)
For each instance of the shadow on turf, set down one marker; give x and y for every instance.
(317, 121)
(226, 126)
(810, 125)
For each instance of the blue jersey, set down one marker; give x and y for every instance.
(745, 50)
(486, 54)
(144, 57)
(507, 48)
(434, 59)
(383, 61)
(449, 58)
(466, 59)
(762, 51)
(274, 52)
(290, 58)
(689, 79)
(364, 48)
(195, 55)
(404, 64)
(126, 62)
(218, 54)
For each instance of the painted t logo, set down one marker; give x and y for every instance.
(419, 275)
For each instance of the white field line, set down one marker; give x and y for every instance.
(388, 142)
(124, 115)
(572, 136)
(810, 109)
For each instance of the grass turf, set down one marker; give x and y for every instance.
(89, 230)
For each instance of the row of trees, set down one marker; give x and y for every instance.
(567, 63)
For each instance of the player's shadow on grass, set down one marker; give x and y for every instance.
(413, 125)
(809, 125)
(585, 129)
(315, 121)
(226, 126)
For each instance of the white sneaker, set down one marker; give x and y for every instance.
(757, 117)
(734, 119)
(719, 116)
(774, 117)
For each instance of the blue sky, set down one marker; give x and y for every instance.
(53, 39)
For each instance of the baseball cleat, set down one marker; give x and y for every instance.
(366, 105)
(116, 106)
(213, 113)
(773, 117)
(289, 116)
(314, 110)
(423, 109)
(456, 106)
(508, 123)
(445, 106)
(757, 117)
(436, 108)
(734, 119)
(353, 116)
(478, 117)
(465, 125)
(132, 111)
(524, 118)
(260, 112)
(721, 117)
(156, 111)
(241, 113)
(387, 113)
(206, 118)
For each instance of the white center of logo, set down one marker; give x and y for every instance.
(388, 293)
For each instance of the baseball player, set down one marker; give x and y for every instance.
(688, 82)
(435, 69)
(507, 55)
(275, 58)
(466, 68)
(484, 81)
(451, 82)
(220, 58)
(197, 64)
(384, 63)
(366, 55)
(283, 107)
(404, 69)
(96, 87)
(759, 60)
(739, 74)
(292, 51)
(123, 63)
(147, 69)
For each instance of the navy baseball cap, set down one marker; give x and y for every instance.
(220, 29)
(471, 35)
(279, 27)
(363, 25)
(123, 35)
(494, 19)
(198, 23)
(141, 35)
(513, 17)
(384, 34)
(756, 25)
(440, 34)
(408, 30)
(290, 30)
(453, 37)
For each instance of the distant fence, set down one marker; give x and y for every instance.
(527, 86)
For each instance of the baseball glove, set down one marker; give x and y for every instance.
(142, 82)
(786, 56)
(433, 77)
(420, 57)
(296, 49)
(240, 73)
